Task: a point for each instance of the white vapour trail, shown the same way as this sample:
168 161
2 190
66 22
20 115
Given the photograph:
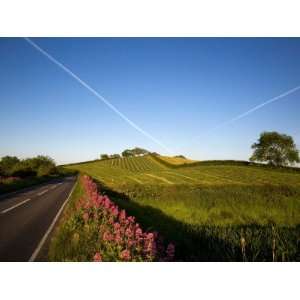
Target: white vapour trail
250 111
95 93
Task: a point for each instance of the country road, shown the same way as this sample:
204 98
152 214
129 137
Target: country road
26 216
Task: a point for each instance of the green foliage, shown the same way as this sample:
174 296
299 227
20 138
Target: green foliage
7 163
23 169
207 208
134 151
46 170
276 149
104 156
127 153
113 156
139 151
12 166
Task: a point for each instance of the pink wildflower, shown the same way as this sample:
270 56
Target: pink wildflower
118 238
138 233
107 236
131 219
125 255
117 226
97 257
122 215
128 232
150 236
85 217
107 202
170 252
115 211
150 245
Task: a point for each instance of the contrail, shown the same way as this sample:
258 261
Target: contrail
250 111
95 93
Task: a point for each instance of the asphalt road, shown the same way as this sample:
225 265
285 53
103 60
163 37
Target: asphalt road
26 216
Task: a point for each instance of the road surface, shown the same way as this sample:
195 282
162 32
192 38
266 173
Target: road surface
26 216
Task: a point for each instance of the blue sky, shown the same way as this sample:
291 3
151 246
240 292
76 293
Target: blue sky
177 90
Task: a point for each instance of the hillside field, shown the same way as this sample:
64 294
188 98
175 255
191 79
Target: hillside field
212 212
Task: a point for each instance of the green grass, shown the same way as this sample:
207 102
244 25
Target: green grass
63 244
207 208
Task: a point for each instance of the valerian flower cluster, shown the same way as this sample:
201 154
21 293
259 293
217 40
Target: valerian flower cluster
120 237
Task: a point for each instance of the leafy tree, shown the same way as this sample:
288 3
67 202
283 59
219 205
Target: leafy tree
276 149
45 170
7 163
104 156
139 151
115 156
127 153
26 167
134 151
38 161
154 153
23 169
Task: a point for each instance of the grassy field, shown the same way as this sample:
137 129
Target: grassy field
210 211
177 160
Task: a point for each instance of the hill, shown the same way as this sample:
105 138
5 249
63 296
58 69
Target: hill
207 208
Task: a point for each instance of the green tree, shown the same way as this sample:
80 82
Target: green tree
127 153
32 166
104 156
139 151
276 149
46 170
7 163
23 169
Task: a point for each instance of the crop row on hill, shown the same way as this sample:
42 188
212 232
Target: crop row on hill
135 164
212 212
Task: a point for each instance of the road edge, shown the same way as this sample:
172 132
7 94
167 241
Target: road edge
53 223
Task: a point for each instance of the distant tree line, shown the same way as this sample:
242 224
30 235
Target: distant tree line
29 167
126 153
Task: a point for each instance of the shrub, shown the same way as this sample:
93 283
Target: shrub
46 170
7 163
23 169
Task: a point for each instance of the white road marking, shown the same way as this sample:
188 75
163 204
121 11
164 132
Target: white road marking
15 206
43 240
54 186
43 192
